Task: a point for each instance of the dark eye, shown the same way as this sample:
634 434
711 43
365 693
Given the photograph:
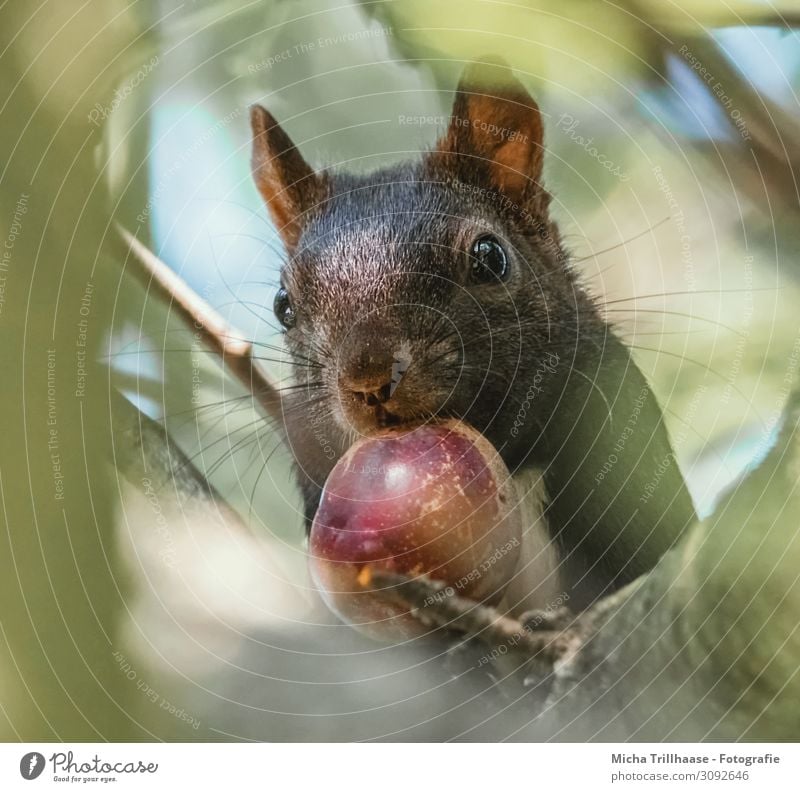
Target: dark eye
488 260
282 306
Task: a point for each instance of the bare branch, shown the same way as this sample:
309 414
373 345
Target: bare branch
435 604
235 351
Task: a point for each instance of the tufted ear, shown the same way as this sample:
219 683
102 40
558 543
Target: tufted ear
288 185
495 131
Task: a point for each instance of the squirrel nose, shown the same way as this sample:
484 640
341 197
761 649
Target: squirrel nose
371 364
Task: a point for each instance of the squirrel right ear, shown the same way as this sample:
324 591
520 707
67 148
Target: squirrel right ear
496 130
286 182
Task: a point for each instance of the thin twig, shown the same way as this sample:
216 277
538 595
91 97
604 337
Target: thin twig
235 351
434 603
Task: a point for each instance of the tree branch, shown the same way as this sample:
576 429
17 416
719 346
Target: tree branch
234 351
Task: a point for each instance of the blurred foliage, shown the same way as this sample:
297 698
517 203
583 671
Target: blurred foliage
703 231
62 589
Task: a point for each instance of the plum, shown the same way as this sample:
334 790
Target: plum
434 499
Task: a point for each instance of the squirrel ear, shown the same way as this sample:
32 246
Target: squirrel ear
286 182
496 126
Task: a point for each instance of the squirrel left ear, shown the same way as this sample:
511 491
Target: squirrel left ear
287 183
496 130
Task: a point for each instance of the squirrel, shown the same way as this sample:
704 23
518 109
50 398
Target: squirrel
441 287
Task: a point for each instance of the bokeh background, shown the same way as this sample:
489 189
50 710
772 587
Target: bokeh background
673 153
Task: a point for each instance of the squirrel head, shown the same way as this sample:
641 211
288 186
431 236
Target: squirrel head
437 287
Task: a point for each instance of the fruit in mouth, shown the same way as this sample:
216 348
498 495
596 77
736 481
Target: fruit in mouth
433 499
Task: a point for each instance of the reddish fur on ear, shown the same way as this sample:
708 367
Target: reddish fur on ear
496 128
288 185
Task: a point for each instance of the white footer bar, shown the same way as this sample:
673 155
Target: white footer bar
329 767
